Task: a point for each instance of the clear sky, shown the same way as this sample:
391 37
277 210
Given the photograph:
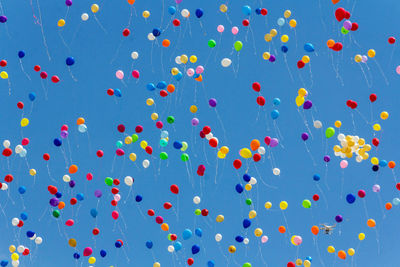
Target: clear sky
100 50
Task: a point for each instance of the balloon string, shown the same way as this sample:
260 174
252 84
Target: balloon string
41 28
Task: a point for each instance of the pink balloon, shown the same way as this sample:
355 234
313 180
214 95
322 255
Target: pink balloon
119 74
190 72
115 214
199 69
264 239
398 69
344 164
220 28
235 30
297 240
135 74
87 251
117 197
69 222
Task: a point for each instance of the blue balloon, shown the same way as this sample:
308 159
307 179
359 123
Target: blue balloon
246 10
138 198
274 114
187 233
103 253
151 87
117 93
29 234
177 145
309 258
80 196
57 142
149 244
32 96
246 177
118 244
198 232
156 32
179 76
171 10
195 249
350 198
178 246
161 85
58 195
22 189
309 47
276 101
3 263
21 54
258 11
199 12
94 213
239 188
76 255
24 216
284 48
210 264
383 163
246 223
316 177
239 239
70 61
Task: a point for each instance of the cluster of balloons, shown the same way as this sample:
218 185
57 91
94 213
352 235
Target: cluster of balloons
351 145
301 99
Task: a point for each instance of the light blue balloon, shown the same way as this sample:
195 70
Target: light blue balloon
163 142
274 114
198 232
171 10
23 153
210 263
396 201
281 21
178 246
187 234
179 76
277 101
82 128
119 144
164 134
383 163
246 10
309 47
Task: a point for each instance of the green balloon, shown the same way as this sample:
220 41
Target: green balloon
163 142
109 181
185 157
135 137
329 132
212 43
238 45
197 212
119 144
169 237
306 203
248 201
247 264
56 213
170 119
344 30
163 155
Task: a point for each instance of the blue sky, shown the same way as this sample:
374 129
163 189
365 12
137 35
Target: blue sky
331 79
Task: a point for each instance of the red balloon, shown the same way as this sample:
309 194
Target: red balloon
190 261
347 15
267 140
73 201
139 129
300 64
126 32
159 220
375 142
116 182
55 79
206 130
372 97
21 223
114 190
69 222
121 128
163 93
315 197
246 22
89 176
354 26
9 178
174 189
151 212
213 142
291 264
52 189
174 237
340 13
256 86
115 214
36 68
149 150
261 100
264 11
110 91
26 252
7 152
43 75
361 193
25 141
176 22
337 46
114 203
96 231
398 186
20 105
99 153
159 124
3 63
46 156
391 40
204 212
237 164
256 157
167 205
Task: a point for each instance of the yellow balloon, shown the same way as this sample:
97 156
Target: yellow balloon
306 59
287 13
156 264
220 218
154 116
132 156
268 37
223 8
338 124
184 146
184 59
146 14
284 38
193 59
248 187
224 150
371 53
331 249
24 122
4 75
307 263
292 240
375 161
299 100
365 156
283 205
376 127
95 8
61 23
351 251
221 155
302 92
299 262
358 58
361 141
232 249
337 148
361 236
14 256
12 248
245 153
193 109
384 115
174 71
293 23
266 55
252 214
128 140
367 147
149 101
92 260
268 205
258 232
273 32
143 144
32 172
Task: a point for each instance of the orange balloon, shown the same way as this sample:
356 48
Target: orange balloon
80 121
392 164
371 223
199 79
164 227
166 43
315 230
335 1
255 144
171 88
388 206
342 254
73 168
330 43
282 229
131 2
61 205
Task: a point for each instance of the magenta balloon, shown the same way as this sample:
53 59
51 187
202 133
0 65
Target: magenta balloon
274 142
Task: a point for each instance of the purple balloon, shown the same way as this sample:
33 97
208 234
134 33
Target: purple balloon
376 188
272 58
347 25
212 102
307 104
68 2
54 202
3 19
195 121
327 158
274 142
98 193
339 218
72 183
178 1
304 136
64 134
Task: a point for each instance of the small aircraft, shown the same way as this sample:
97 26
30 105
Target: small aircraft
327 228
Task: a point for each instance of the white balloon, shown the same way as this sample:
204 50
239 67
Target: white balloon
276 171
128 181
66 178
18 149
359 159
20 249
82 128
341 137
178 60
15 221
337 154
171 248
226 62
356 138
209 136
85 16
6 143
38 240
33 237
253 181
196 200
4 186
15 263
261 150
117 197
23 153
317 124
185 13
146 163
218 237
151 37
134 55
246 241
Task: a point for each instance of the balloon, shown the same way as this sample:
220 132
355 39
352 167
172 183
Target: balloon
283 205
342 254
293 23
199 12
306 203
329 132
85 16
299 100
308 47
371 53
226 62
284 38
371 223
331 249
245 153
315 230
235 30
304 136
218 237
343 164
238 45
220 28
94 8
